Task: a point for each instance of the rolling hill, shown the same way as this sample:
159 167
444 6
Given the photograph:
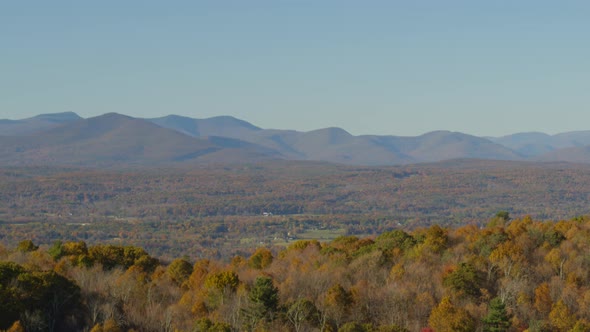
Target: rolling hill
35 124
114 139
225 126
339 146
119 140
537 144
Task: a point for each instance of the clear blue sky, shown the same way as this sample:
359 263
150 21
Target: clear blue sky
383 67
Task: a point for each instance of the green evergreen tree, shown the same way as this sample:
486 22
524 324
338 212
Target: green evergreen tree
264 301
497 319
265 294
465 280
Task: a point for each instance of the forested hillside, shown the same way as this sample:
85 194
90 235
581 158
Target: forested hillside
511 275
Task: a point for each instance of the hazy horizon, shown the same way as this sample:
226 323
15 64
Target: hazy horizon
386 68
288 128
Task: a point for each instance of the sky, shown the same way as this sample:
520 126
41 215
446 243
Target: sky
486 68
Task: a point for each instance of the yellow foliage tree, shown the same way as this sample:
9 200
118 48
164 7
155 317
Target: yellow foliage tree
581 326
557 259
436 238
200 271
543 300
446 317
507 256
561 317
260 259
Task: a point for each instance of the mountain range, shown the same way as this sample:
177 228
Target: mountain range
118 140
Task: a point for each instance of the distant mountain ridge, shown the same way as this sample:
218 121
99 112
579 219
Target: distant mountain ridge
337 145
536 144
216 126
35 124
118 140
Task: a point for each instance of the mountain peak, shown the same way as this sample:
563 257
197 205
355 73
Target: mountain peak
331 135
227 126
227 119
58 117
36 124
112 115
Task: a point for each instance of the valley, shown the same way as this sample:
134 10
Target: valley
221 209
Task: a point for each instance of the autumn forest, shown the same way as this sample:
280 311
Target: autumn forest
511 275
457 246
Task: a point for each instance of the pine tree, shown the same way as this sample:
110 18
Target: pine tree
497 319
264 301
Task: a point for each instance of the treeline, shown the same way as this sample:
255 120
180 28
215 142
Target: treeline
512 275
212 237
